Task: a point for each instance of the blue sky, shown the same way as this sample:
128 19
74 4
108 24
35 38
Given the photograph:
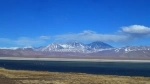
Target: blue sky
40 22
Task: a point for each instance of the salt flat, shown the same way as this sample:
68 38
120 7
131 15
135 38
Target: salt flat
71 59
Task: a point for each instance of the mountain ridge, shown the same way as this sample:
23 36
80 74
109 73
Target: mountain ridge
77 49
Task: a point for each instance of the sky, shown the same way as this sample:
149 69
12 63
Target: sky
41 22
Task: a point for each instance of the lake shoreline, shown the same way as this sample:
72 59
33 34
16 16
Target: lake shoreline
74 59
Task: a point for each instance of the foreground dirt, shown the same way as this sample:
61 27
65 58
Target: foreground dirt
39 77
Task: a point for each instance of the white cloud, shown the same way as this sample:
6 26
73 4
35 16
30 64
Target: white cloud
45 37
25 41
136 29
126 34
89 35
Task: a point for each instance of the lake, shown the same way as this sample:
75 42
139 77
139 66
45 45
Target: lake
107 68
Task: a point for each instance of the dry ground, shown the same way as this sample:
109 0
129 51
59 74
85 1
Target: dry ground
39 77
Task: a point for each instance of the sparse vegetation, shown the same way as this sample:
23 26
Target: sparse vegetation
40 77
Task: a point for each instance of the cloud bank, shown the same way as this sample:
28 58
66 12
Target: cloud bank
89 35
125 34
136 29
23 41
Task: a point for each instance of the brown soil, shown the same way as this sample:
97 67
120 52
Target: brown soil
39 77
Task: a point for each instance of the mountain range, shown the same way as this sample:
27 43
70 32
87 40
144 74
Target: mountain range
75 49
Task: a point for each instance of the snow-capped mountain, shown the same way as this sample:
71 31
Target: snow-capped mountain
75 48
64 47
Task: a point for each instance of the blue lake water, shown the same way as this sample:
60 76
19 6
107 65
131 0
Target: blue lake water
107 68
